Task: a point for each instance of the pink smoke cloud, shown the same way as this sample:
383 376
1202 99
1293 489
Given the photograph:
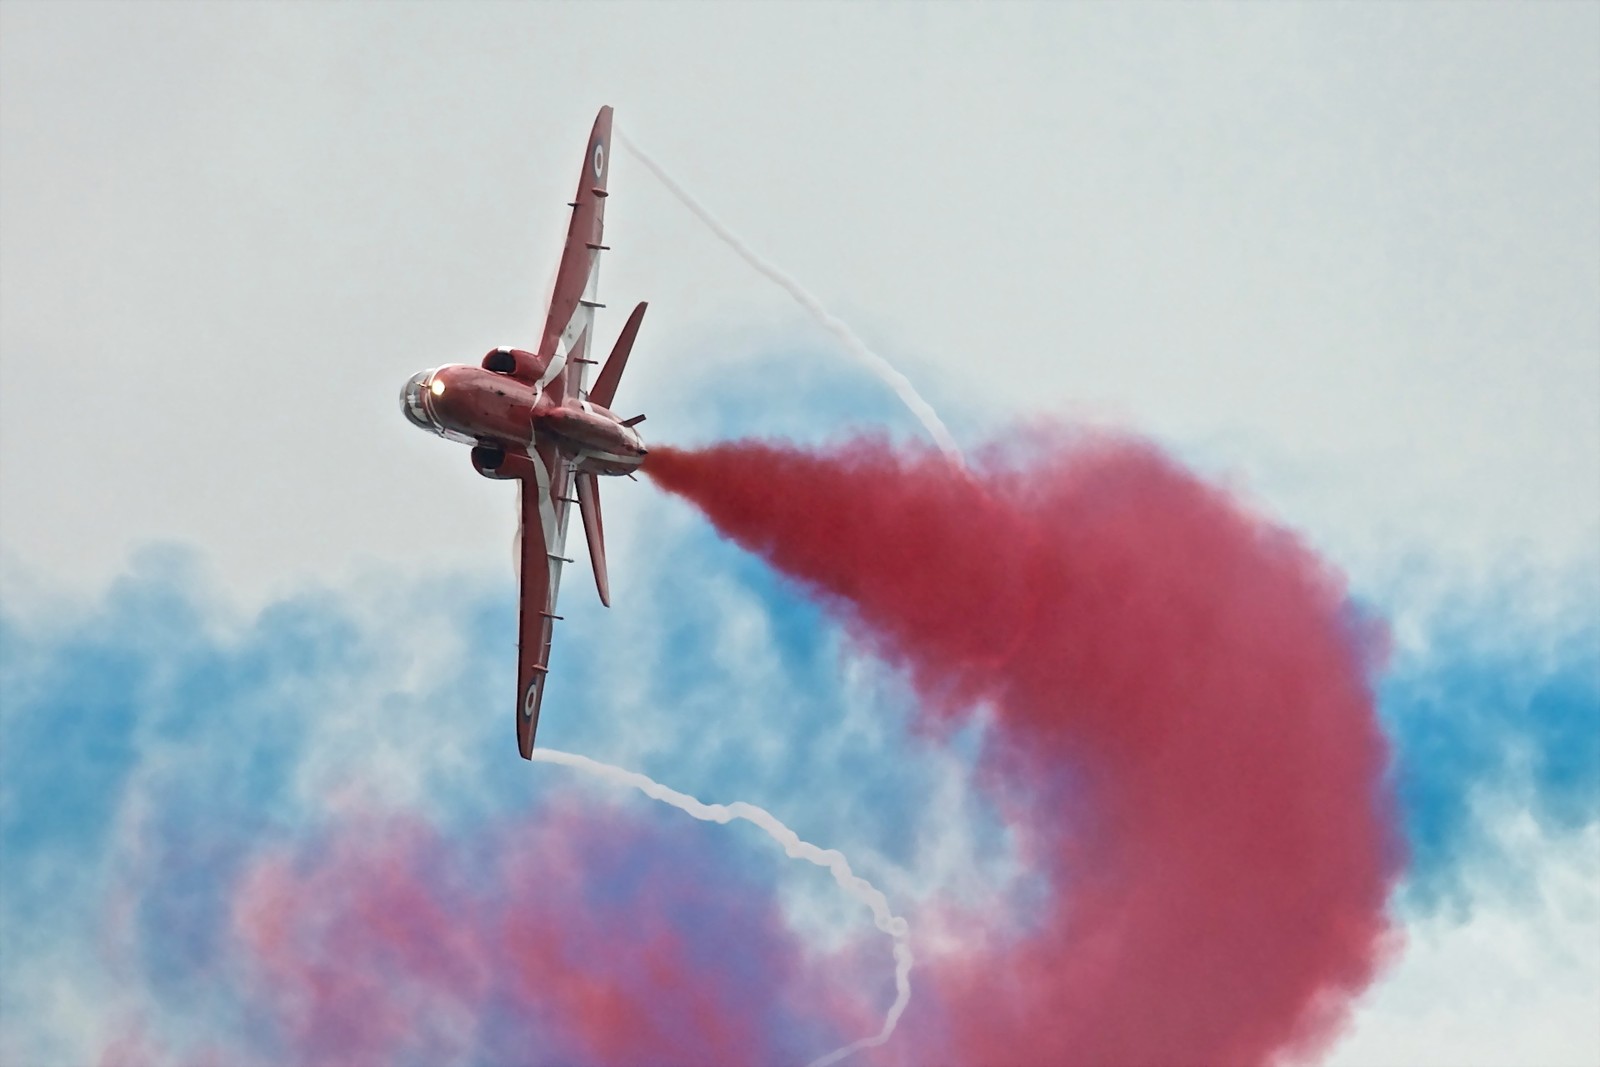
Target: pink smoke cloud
580 937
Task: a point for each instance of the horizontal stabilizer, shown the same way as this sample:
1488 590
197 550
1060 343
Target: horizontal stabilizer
589 507
605 386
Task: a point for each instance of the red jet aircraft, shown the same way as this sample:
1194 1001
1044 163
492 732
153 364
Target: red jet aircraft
533 417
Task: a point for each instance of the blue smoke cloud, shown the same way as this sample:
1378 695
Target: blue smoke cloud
153 693
1499 707
156 742
152 749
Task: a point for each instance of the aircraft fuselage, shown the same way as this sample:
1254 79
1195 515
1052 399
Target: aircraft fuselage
476 406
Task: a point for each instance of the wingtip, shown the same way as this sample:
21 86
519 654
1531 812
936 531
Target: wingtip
527 730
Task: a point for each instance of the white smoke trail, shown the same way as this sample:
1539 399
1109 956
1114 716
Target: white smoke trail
834 860
833 324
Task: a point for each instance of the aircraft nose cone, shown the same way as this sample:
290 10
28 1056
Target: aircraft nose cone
413 401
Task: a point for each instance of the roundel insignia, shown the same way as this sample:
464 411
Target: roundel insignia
530 699
599 158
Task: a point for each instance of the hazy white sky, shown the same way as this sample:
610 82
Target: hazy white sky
1350 252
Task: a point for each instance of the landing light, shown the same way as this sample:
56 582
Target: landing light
437 387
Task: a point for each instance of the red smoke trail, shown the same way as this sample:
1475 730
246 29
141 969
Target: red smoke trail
1184 732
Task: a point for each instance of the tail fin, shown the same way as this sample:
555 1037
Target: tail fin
605 386
594 530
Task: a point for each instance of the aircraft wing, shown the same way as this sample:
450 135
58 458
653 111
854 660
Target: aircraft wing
547 490
547 495
564 346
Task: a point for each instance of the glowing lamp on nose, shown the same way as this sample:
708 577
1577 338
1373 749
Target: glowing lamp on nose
437 387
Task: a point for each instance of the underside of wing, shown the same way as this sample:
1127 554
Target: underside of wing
547 494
